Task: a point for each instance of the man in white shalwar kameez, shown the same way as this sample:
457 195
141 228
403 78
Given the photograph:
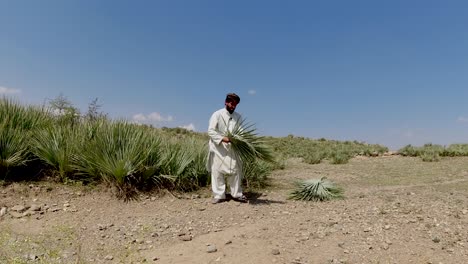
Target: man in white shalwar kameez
221 160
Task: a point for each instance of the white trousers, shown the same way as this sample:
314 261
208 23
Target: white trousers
218 184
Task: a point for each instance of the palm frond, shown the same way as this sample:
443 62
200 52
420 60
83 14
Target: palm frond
247 144
316 190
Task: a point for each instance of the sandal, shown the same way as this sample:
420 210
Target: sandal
217 200
241 199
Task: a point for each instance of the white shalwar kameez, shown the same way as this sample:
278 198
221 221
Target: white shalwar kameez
221 159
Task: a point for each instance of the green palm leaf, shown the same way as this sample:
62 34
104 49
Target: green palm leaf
316 190
247 144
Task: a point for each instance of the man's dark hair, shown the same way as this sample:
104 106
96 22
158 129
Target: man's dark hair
232 97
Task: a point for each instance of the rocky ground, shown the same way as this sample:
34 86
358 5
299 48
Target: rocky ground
396 210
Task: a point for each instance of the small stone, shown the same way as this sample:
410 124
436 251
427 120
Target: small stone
435 239
109 257
385 246
211 249
35 208
275 252
3 211
155 258
31 257
16 214
228 242
28 213
19 208
185 238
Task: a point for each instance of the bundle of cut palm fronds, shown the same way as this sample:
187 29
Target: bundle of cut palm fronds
316 190
247 144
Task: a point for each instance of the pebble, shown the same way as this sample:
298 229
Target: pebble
3 211
185 238
35 207
109 257
16 214
211 249
19 208
275 252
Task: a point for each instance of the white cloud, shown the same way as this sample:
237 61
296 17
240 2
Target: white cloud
408 134
189 127
252 92
462 119
139 118
157 117
153 117
5 90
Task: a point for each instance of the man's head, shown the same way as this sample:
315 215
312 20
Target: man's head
231 102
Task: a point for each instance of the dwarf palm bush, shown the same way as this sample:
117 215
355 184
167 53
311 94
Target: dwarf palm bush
198 168
25 118
117 154
316 190
55 146
14 147
301 147
340 157
455 150
256 173
314 157
16 124
183 163
430 156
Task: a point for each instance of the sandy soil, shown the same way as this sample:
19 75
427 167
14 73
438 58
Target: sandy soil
398 221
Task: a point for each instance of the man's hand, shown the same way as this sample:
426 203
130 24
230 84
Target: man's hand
226 140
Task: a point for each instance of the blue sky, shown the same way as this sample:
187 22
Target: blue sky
386 72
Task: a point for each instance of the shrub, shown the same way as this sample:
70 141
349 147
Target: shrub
14 148
117 154
16 125
183 162
55 146
256 174
314 157
340 157
430 155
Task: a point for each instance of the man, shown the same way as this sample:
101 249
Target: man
221 160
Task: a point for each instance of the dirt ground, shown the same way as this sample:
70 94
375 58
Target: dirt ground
395 210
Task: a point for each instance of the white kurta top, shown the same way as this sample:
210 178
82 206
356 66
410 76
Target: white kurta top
221 157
